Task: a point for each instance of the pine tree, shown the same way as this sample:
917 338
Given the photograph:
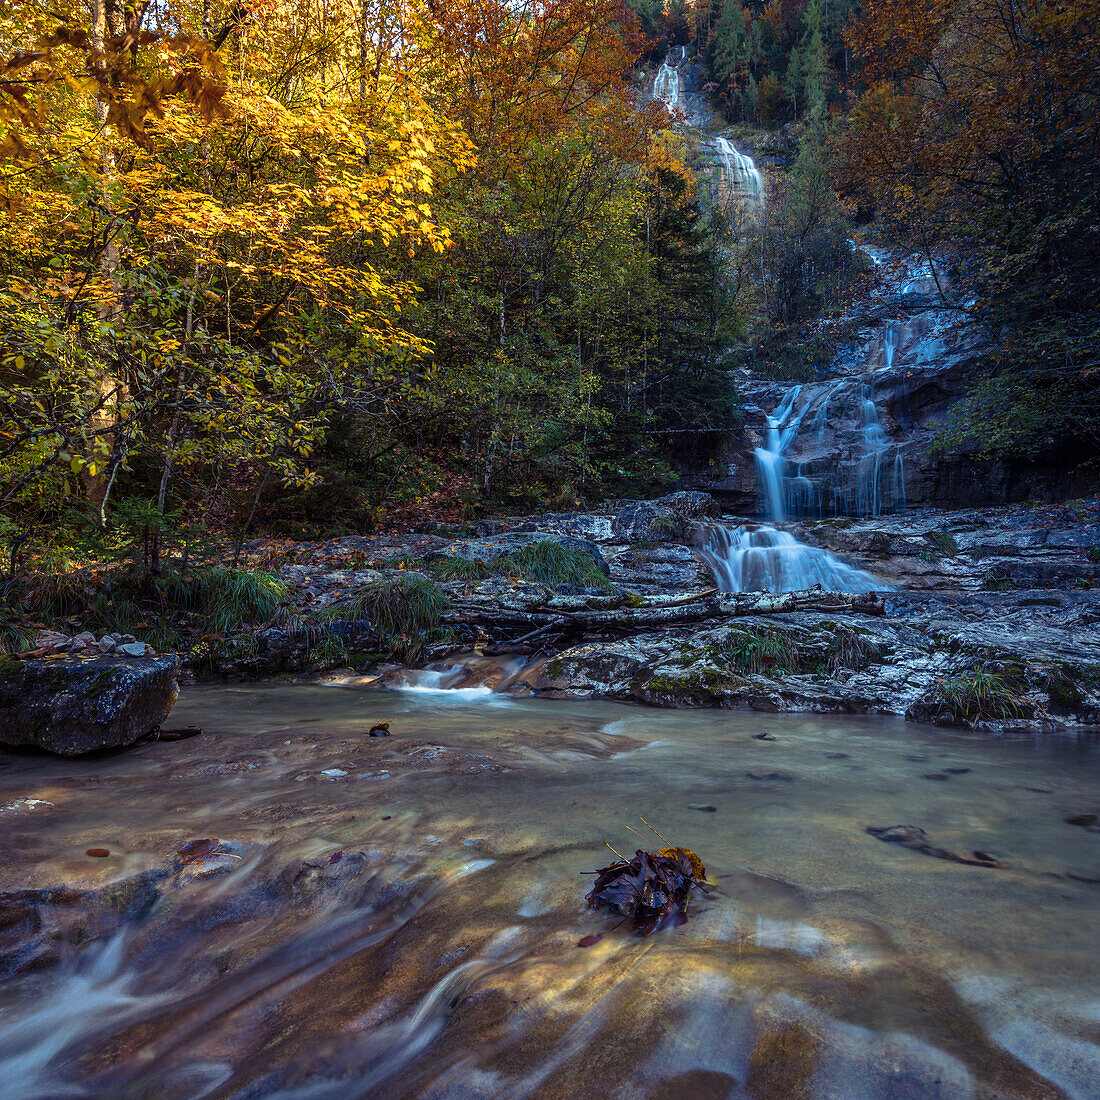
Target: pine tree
731 47
814 61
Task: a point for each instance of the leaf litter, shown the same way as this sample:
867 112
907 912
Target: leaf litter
652 889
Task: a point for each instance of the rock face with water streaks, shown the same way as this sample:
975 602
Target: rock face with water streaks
72 707
859 438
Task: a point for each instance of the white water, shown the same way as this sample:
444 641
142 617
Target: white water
443 686
667 86
771 465
765 559
876 483
742 176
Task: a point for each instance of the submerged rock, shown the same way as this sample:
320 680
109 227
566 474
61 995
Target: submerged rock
71 707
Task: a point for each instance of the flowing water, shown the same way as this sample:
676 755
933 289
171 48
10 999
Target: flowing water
759 558
870 483
742 176
400 917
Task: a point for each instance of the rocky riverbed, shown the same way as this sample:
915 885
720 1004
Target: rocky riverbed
987 617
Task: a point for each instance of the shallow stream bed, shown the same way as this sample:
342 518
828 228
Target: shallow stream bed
400 917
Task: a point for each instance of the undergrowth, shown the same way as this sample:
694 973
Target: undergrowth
977 695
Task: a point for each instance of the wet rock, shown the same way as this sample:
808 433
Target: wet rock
647 523
916 839
72 707
690 504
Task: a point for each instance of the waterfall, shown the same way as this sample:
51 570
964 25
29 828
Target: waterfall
869 483
880 482
771 465
667 86
742 175
764 559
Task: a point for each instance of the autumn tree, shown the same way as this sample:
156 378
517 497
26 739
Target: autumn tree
977 139
262 176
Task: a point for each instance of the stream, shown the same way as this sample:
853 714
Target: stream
400 917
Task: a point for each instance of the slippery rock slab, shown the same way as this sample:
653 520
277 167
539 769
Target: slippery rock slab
72 707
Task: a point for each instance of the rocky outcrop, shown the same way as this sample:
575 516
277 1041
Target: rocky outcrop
990 662
903 361
75 706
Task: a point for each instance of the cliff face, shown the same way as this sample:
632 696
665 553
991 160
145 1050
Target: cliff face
859 440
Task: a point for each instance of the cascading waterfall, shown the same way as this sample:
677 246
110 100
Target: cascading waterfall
871 485
765 559
771 465
667 86
742 175
880 482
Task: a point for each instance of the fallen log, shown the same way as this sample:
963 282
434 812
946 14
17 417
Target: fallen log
700 607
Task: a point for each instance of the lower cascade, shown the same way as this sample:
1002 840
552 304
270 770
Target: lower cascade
765 559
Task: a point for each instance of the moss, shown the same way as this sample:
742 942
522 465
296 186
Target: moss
555 667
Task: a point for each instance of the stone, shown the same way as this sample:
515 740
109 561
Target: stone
690 504
647 523
73 707
132 649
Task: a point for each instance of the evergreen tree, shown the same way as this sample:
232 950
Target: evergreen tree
731 47
814 61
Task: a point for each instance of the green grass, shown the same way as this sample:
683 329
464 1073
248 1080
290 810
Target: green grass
14 636
544 562
461 569
551 563
977 695
945 542
330 652
851 648
395 605
759 649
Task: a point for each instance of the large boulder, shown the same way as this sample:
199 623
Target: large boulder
647 523
75 706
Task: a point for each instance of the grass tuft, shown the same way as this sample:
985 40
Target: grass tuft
851 648
395 605
977 696
760 649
